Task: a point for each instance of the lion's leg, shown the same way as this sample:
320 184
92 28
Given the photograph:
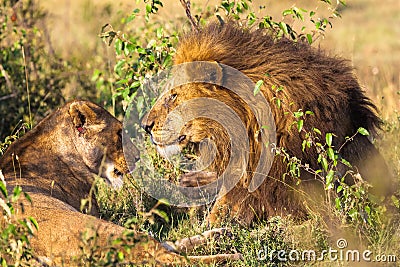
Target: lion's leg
236 204
197 178
186 245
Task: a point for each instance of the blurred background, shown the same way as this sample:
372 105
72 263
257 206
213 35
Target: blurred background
367 34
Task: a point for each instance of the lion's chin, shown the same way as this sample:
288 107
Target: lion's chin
167 151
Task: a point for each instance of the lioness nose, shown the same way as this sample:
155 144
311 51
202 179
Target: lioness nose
147 126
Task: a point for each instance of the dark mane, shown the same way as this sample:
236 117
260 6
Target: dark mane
312 80
298 77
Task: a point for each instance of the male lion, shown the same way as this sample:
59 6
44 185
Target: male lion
295 77
56 164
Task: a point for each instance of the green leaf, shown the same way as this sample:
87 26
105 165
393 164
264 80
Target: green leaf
135 84
396 202
3 189
353 213
331 153
122 81
16 193
287 12
34 222
257 88
118 46
328 138
159 32
278 102
303 145
345 162
141 50
337 203
317 131
120 256
130 18
119 66
298 114
161 214
329 179
148 8
28 197
309 38
339 189
363 131
367 210
324 163
283 27
300 125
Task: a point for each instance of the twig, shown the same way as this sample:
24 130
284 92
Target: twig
8 96
193 23
27 87
6 77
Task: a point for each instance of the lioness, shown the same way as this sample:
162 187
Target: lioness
56 164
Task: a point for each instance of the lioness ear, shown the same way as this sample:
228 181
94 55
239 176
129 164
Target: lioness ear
82 115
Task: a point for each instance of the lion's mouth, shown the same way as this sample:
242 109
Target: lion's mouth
162 141
171 148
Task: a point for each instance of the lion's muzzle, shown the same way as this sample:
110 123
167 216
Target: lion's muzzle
168 143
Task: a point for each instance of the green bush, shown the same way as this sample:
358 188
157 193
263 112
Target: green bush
30 80
15 233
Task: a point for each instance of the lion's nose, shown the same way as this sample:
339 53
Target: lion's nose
147 126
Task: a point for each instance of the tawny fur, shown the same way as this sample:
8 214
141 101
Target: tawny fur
311 81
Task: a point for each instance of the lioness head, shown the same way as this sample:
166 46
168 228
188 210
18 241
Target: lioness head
98 140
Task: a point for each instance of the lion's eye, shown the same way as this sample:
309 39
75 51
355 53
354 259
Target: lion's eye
172 97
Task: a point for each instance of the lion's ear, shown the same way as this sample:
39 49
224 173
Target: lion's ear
216 73
82 115
201 71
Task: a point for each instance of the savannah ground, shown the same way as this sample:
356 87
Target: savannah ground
367 34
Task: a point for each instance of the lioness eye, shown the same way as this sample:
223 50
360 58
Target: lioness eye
119 133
